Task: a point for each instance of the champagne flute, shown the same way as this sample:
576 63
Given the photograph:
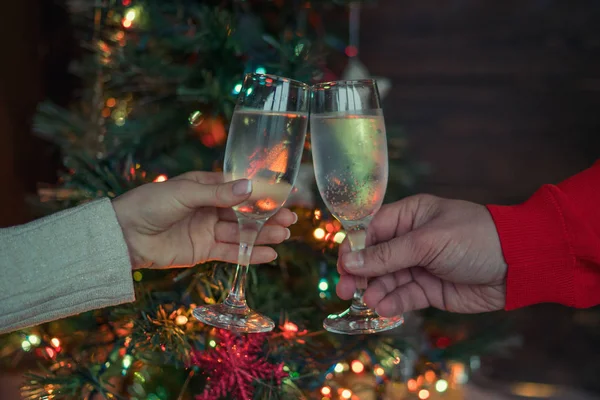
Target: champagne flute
265 144
349 150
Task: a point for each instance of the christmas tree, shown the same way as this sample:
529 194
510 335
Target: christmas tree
159 82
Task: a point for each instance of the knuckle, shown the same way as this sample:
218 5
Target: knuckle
382 253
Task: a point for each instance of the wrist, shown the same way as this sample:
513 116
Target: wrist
136 259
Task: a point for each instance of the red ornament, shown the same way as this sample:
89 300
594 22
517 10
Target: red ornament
234 365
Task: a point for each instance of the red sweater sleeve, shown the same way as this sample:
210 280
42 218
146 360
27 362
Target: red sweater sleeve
551 244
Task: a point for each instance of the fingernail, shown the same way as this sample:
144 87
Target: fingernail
288 233
295 218
353 260
242 187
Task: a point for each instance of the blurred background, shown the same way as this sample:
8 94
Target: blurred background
495 98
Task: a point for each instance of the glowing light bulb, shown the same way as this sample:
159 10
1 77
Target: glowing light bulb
137 276
212 343
357 367
181 320
130 14
161 178
423 394
412 385
379 371
126 23
34 339
237 88
127 361
441 385
260 70
55 342
325 390
430 376
323 285
346 394
319 233
338 368
339 237
26 345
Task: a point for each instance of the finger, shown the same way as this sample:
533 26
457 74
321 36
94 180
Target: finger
382 286
401 217
194 195
229 253
344 248
346 287
203 177
229 232
386 257
405 298
283 217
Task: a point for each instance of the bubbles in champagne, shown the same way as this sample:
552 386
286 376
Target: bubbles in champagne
350 158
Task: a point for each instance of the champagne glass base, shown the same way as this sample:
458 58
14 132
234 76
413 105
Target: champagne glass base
236 319
360 322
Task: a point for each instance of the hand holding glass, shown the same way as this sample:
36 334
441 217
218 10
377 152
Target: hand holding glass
265 144
350 158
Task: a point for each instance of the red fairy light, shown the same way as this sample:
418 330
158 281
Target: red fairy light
290 327
267 204
161 178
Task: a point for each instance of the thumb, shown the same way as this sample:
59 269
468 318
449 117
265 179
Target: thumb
385 257
226 194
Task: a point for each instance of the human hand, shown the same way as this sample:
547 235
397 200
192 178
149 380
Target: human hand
188 220
425 251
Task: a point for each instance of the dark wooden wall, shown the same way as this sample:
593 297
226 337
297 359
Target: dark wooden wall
497 96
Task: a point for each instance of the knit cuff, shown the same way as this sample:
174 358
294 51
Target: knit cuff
536 249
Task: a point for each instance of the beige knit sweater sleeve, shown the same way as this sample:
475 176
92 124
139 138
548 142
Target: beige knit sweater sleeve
61 265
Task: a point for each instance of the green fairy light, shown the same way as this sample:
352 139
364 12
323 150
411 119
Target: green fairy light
237 88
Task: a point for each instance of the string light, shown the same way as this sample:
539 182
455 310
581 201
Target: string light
126 23
237 88
317 214
346 394
26 345
137 276
430 376
319 233
411 385
34 339
338 368
111 102
130 14
323 285
127 359
212 343
260 70
325 390
423 394
55 342
181 320
160 178
290 327
339 237
379 371
441 385
357 367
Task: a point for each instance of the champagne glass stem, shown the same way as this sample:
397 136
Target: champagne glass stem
249 230
357 236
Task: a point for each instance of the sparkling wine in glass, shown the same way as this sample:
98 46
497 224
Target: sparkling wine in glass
265 144
349 149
